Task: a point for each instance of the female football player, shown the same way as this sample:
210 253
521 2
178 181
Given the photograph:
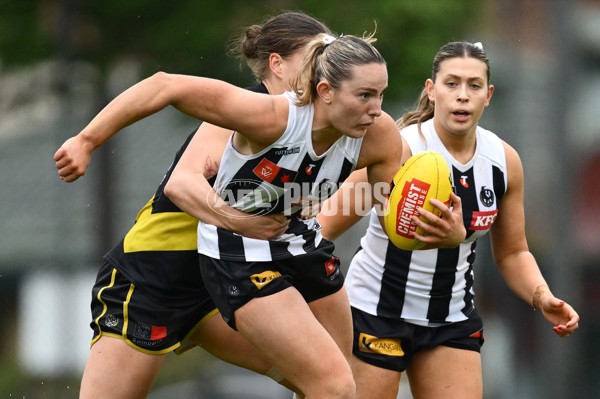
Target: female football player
413 311
154 272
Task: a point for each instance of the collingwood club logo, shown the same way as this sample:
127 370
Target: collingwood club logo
486 196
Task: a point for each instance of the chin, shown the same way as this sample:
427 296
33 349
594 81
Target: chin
461 129
359 132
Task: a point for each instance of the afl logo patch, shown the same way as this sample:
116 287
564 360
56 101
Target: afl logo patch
486 196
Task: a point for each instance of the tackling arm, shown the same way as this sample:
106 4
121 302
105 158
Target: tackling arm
259 117
189 189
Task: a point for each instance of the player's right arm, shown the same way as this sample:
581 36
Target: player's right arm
189 189
259 117
513 258
73 158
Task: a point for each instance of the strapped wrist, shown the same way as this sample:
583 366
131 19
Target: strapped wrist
537 295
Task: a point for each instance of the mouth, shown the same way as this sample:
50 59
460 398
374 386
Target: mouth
461 114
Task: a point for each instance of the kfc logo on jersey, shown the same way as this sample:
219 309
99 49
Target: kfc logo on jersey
483 220
266 170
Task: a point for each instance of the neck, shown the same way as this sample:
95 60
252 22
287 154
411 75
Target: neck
323 133
461 146
274 86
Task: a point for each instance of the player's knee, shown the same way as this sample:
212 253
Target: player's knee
338 385
346 387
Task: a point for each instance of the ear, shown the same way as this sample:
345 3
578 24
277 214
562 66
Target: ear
275 64
429 85
325 91
489 95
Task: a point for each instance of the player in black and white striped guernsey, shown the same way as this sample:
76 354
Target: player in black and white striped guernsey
271 182
389 282
149 297
293 308
413 311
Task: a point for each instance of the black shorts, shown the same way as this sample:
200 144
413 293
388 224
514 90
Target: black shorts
390 343
232 284
147 323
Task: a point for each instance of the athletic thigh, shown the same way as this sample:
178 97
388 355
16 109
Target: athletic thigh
218 338
284 329
333 312
445 372
374 382
116 370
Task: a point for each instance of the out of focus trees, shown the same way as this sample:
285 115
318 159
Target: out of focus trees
190 36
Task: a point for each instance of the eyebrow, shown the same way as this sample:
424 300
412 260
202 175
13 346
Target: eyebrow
451 76
372 90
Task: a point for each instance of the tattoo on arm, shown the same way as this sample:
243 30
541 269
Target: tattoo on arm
210 168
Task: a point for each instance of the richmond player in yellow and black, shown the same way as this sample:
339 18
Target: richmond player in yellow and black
149 298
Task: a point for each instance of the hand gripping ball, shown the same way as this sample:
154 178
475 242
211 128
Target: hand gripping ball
423 176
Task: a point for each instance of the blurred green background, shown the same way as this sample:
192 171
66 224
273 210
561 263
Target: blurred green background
61 61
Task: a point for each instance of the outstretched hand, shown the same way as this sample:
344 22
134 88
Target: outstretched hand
445 231
562 316
72 159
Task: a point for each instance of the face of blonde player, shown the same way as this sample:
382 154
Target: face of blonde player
353 107
460 94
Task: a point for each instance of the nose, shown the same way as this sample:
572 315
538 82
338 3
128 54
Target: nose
462 93
375 109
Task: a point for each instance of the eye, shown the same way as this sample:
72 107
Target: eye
364 96
476 86
451 84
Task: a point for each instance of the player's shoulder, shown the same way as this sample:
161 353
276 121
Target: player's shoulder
384 134
386 122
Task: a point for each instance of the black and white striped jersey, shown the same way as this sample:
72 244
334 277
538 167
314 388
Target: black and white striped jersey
276 180
431 287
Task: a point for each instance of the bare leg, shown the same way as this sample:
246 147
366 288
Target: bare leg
115 370
373 381
333 312
286 332
217 338
444 372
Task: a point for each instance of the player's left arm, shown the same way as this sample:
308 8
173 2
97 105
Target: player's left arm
513 258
